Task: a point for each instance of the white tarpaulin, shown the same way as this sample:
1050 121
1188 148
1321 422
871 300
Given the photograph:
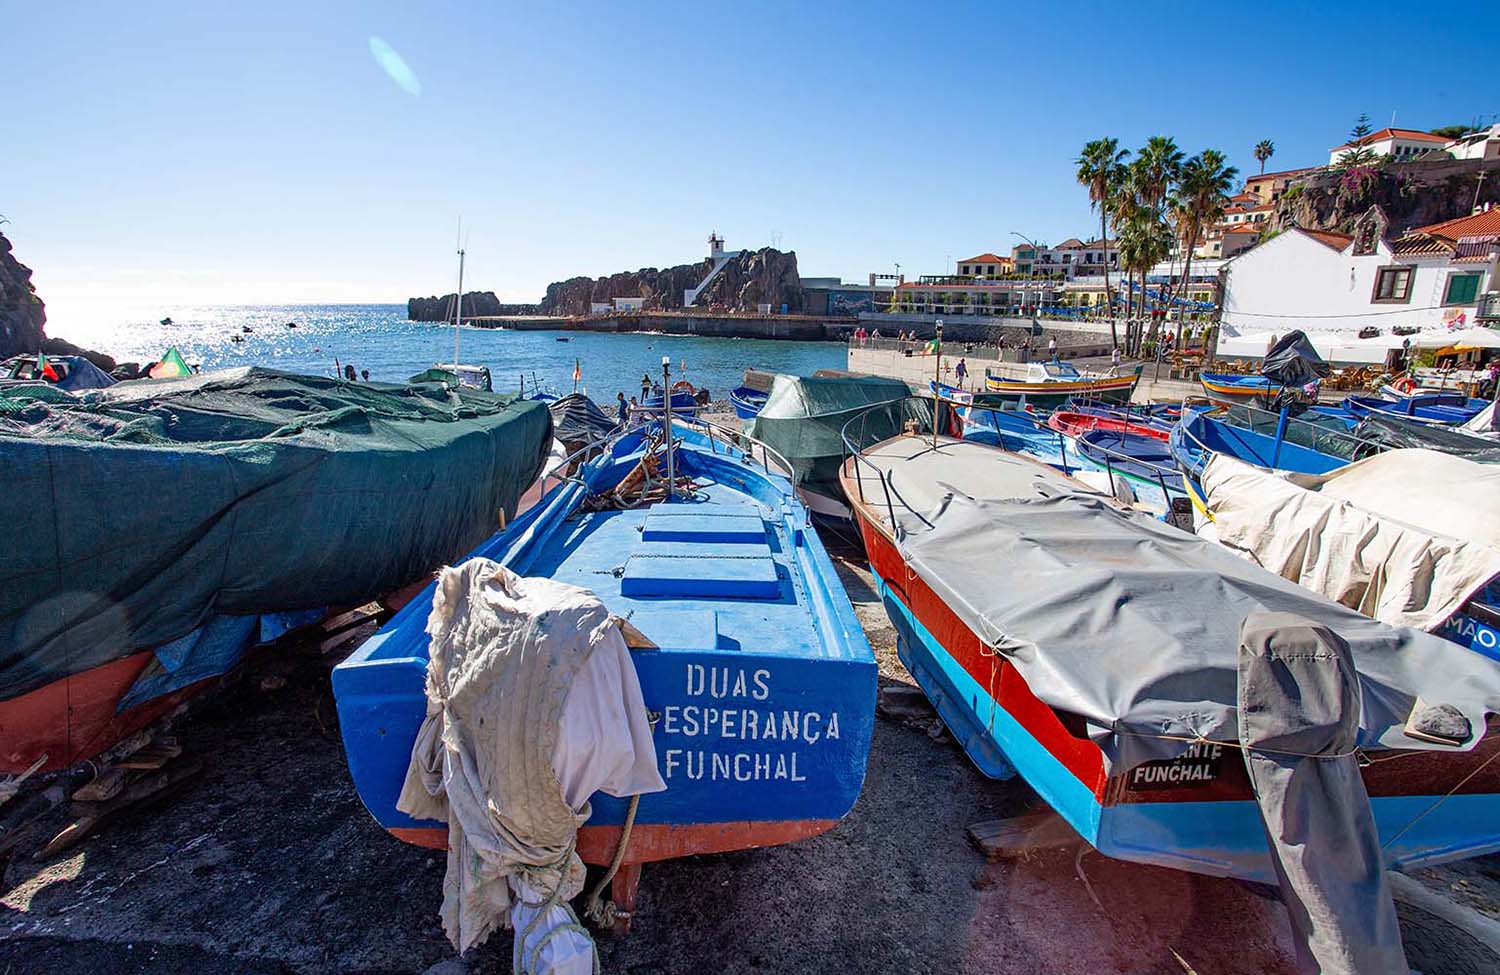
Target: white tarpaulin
533 705
1406 537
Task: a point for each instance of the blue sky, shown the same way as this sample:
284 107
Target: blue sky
164 154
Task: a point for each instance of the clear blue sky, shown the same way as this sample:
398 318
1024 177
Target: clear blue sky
159 153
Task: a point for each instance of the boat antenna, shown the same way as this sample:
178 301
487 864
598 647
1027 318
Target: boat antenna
937 380
458 300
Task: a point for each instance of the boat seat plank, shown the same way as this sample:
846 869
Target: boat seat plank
667 524
688 573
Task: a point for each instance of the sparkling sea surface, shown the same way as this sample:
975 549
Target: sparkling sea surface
380 339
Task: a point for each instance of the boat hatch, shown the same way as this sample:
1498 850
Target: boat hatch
708 569
667 524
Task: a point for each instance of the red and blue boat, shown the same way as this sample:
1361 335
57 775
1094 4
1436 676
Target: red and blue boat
762 685
1091 650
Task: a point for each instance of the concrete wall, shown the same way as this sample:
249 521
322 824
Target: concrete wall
802 328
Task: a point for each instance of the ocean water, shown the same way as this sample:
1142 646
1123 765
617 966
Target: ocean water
380 339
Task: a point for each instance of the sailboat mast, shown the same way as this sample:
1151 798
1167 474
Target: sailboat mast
458 306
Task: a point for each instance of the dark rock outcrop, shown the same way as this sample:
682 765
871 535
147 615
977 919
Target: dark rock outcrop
23 317
752 278
476 303
1411 194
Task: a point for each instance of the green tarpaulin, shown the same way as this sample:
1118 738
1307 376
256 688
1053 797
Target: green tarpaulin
803 420
137 512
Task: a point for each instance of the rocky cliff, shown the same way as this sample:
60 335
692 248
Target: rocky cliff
1412 194
23 317
440 309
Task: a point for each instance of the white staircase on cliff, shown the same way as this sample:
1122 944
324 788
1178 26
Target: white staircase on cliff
720 257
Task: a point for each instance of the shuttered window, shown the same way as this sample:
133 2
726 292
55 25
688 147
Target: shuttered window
1393 284
1463 289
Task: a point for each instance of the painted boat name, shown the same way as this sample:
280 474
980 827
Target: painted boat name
747 722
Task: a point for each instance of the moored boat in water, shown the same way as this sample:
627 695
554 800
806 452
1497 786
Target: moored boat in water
761 682
1093 650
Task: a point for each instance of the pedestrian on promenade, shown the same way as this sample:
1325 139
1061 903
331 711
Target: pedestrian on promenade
1052 347
962 372
1114 360
1000 346
624 410
645 386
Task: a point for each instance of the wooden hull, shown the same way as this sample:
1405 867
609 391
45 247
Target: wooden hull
1195 813
1112 390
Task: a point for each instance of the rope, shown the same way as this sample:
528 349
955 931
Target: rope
596 909
530 965
1443 799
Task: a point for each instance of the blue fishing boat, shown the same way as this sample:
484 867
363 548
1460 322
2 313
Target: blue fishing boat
683 398
1225 387
761 686
1199 435
1009 425
1145 461
747 402
1439 410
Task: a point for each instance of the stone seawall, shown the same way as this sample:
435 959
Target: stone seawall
794 327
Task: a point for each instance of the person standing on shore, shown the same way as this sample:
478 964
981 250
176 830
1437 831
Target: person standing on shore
1114 360
1052 347
624 410
962 372
645 386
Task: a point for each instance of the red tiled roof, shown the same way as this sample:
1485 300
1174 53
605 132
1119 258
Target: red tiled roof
1330 238
1285 172
1243 228
1474 225
985 258
1411 135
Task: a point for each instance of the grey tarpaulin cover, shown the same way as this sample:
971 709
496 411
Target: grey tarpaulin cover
138 512
1393 432
1299 707
1134 625
577 421
533 705
1374 535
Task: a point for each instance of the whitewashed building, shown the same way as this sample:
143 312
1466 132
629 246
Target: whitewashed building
1325 282
1399 144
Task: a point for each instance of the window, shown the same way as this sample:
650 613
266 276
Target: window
1392 285
1463 289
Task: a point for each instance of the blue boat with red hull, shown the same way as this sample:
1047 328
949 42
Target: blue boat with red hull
761 688
1091 650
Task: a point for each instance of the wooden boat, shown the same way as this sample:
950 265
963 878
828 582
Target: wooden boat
1193 809
1440 410
1052 384
763 681
747 402
1224 387
1200 434
1145 462
1077 423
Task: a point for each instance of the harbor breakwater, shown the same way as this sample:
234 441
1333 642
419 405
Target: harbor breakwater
795 327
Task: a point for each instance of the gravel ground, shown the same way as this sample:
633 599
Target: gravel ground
268 863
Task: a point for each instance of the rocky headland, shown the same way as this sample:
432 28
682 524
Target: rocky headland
753 278
1411 194
23 315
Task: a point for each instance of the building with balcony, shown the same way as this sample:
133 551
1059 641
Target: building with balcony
955 295
1267 188
1399 144
986 265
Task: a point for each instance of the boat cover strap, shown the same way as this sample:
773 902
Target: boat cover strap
532 706
1133 625
1299 707
1376 535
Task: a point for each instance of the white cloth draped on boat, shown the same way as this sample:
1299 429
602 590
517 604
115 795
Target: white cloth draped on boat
1405 537
533 705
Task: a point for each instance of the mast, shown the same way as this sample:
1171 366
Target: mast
458 305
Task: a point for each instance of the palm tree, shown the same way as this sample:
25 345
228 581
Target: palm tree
1159 165
1129 200
1101 168
1264 149
1202 194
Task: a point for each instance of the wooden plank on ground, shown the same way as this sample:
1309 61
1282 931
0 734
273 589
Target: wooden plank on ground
151 757
106 785
901 702
93 815
1004 838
